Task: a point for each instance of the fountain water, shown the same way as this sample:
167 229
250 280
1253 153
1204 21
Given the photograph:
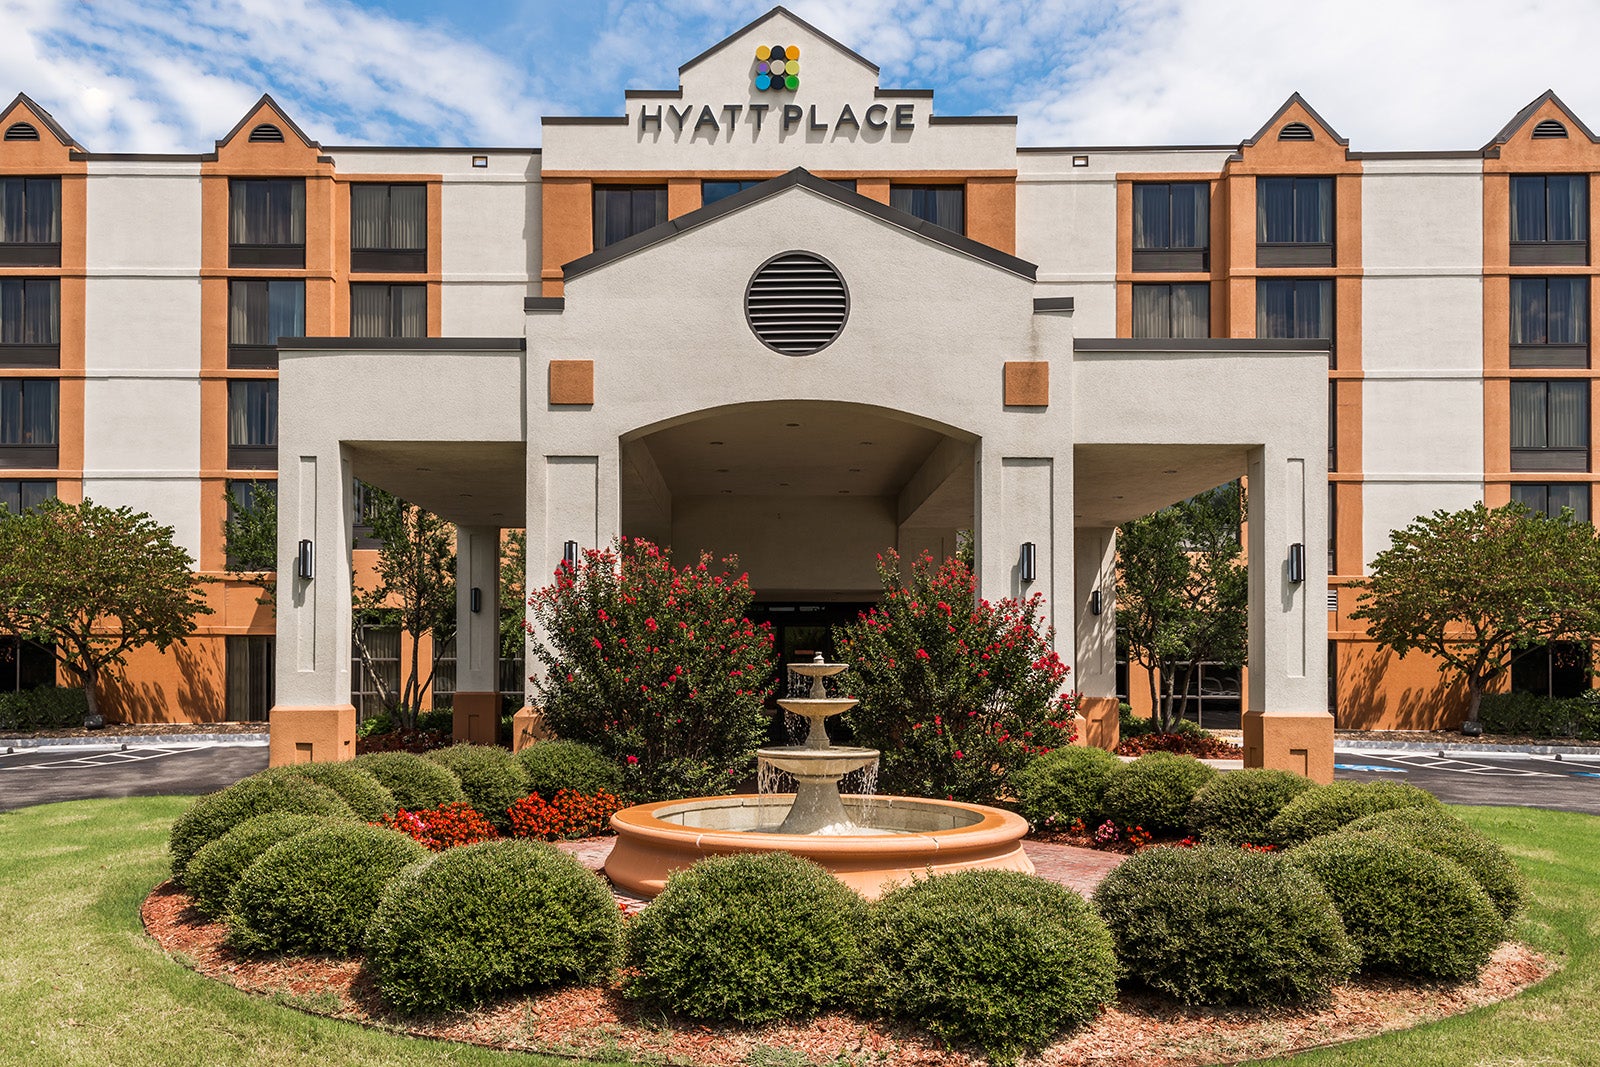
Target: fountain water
816 764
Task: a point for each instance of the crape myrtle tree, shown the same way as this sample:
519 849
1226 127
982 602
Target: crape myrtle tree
94 583
250 537
1183 595
655 665
957 693
1479 587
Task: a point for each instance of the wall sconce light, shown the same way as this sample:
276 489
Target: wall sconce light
1028 565
1297 563
305 564
569 553
476 600
1094 602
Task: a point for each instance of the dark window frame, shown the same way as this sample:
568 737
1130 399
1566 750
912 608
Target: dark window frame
16 500
1548 457
914 189
290 253
1529 251
258 355
386 256
1537 497
28 352
250 682
394 313
1330 334
32 449
15 252
639 219
1153 254
1547 353
1140 288
1297 251
246 455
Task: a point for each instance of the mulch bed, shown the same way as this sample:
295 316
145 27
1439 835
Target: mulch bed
594 1022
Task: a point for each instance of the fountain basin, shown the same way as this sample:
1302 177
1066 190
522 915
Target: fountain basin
901 839
824 764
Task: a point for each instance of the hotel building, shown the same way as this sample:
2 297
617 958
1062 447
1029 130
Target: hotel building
802 321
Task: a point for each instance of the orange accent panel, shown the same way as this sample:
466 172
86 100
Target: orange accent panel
567 224
187 683
683 196
1553 155
1302 743
312 735
476 718
992 212
874 189
1027 384
572 381
1380 691
1100 722
527 728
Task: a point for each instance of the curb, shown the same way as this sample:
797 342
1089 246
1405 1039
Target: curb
1466 749
130 741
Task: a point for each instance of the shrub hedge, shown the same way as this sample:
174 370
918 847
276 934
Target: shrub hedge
48 707
748 938
1407 911
317 891
278 789
492 778
1154 791
359 788
1238 806
490 918
416 782
1219 925
1534 716
1325 808
554 765
1436 830
216 869
1000 958
1064 784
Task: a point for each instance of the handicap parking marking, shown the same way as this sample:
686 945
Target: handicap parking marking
1372 767
1583 774
104 759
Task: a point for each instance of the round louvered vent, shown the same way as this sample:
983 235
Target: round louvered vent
267 132
796 303
1295 131
1549 128
22 131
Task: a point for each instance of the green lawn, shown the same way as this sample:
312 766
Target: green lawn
80 984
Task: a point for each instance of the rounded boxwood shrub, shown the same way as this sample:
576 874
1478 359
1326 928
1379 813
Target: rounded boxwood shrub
489 918
417 783
1436 830
215 869
278 789
1238 806
1064 784
1325 808
748 938
1000 958
1407 910
317 891
492 778
1220 925
554 765
359 788
1154 791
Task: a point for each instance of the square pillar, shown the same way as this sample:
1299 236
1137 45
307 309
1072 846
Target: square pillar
477 696
1094 660
1286 724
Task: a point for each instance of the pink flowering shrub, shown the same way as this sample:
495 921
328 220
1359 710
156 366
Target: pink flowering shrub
958 693
656 666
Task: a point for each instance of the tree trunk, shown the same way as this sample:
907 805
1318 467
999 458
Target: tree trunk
1474 699
92 718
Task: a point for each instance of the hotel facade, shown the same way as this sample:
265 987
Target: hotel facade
796 315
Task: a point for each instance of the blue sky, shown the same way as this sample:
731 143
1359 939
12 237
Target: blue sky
152 76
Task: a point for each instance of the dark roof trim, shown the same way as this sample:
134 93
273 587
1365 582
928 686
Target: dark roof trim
822 186
584 120
1445 154
402 344
445 149
1046 304
972 120
653 94
780 10
1521 118
48 119
266 98
1243 345
145 157
544 303
1130 148
1296 98
923 94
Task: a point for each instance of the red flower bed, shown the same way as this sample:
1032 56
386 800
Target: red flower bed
1184 744
569 814
443 827
418 741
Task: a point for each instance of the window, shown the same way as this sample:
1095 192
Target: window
1550 426
1550 219
25 665
444 674
388 311
1333 541
1333 426
30 222
1170 226
389 228
30 322
383 650
1559 670
1172 310
711 192
513 683
249 677
267 222
248 494
1552 498
260 312
252 425
1549 322
363 507
1294 308
942 205
1294 222
29 422
17 496
620 211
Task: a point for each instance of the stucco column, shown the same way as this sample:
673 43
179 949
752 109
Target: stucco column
312 718
1094 659
1021 500
477 698
1287 725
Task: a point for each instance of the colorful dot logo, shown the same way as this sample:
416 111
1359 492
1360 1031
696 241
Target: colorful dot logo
777 68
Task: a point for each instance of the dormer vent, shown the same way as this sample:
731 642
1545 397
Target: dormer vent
24 131
1547 128
1295 131
267 132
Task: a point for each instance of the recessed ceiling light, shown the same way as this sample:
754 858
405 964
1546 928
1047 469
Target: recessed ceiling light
425 469
783 483
1169 472
714 442
722 470
844 491
855 470
1116 498
866 442
791 425
727 490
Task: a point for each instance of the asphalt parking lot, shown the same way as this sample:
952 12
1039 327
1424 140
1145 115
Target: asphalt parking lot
1567 783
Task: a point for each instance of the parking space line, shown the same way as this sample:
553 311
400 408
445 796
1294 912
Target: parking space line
104 759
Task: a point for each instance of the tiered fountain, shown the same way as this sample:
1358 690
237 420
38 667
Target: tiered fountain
869 843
